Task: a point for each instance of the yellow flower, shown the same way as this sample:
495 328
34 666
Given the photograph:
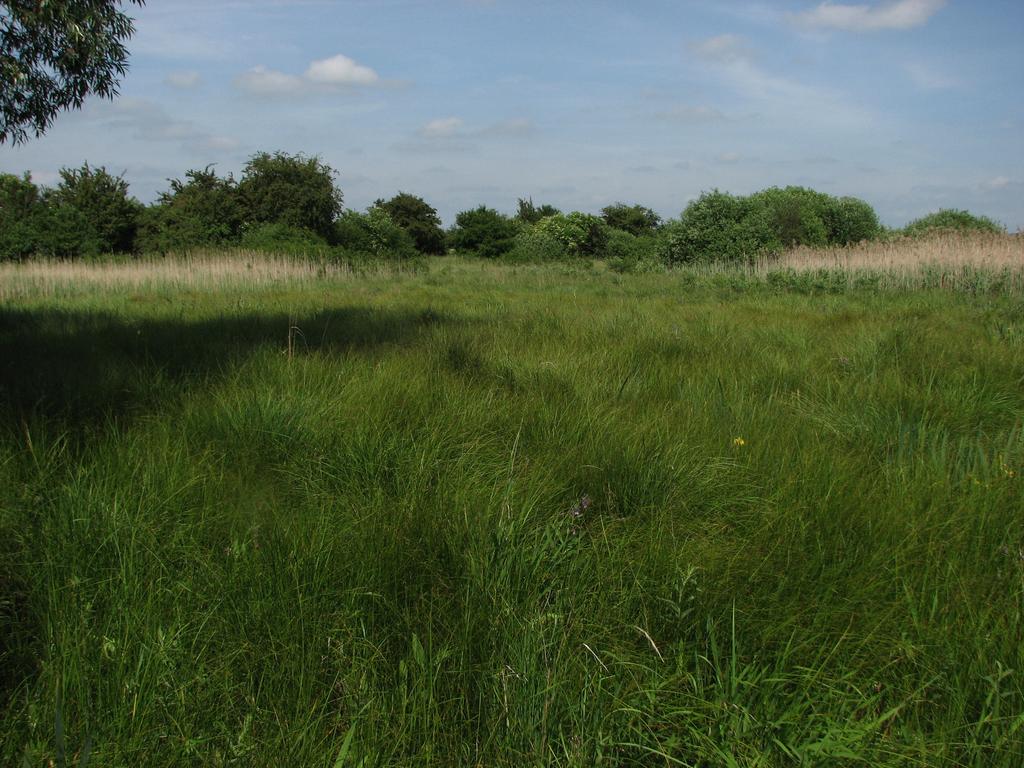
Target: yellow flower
739 442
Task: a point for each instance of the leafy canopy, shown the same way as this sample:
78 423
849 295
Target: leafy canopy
288 189
54 54
485 232
202 211
636 219
97 203
418 218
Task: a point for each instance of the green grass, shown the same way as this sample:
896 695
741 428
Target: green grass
364 552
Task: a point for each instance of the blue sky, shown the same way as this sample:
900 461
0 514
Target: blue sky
913 105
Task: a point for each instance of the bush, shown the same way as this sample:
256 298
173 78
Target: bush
484 232
718 226
629 253
21 209
99 203
580 234
283 239
202 212
294 190
850 220
528 213
950 219
419 219
635 219
534 245
374 234
797 214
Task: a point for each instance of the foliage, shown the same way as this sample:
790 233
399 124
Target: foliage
580 234
280 238
203 211
374 234
718 226
628 253
290 189
951 219
483 231
528 213
636 219
419 219
797 215
535 245
98 202
20 211
850 220
55 54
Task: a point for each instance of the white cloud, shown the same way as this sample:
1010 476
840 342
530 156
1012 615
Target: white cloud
729 58
729 157
442 128
901 14
999 182
340 70
261 80
186 79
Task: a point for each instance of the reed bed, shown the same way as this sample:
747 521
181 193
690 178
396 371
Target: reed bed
202 270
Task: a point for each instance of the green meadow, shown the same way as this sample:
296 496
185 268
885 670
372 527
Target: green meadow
498 515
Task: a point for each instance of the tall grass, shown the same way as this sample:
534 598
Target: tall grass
490 515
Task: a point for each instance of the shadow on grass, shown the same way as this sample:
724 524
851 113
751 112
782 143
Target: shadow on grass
85 366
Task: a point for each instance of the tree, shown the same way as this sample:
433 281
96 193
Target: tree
635 219
718 226
96 203
375 234
418 218
484 231
580 234
21 208
202 211
528 213
288 189
950 219
53 55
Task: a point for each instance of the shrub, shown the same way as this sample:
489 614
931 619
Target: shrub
283 238
295 190
484 232
419 219
629 253
950 219
203 211
718 226
21 209
374 234
534 245
528 213
635 219
850 220
581 234
797 214
64 233
99 202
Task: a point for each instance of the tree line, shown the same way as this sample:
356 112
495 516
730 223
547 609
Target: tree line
291 204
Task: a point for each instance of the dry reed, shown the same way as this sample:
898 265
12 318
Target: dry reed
199 271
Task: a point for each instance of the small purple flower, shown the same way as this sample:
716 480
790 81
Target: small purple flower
577 511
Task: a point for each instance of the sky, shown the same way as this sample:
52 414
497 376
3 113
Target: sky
912 105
